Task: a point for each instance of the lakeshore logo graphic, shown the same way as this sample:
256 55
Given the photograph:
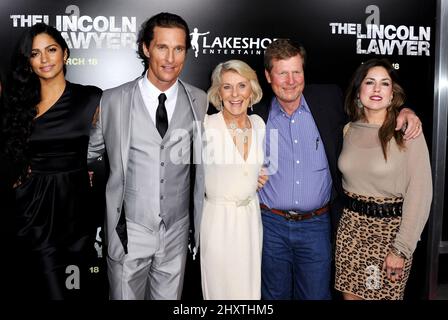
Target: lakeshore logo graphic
85 32
375 38
202 43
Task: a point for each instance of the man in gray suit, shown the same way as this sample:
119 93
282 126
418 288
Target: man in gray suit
150 129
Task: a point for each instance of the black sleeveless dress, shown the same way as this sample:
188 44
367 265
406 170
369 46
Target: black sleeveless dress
55 228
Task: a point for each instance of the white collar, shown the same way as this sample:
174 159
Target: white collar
153 92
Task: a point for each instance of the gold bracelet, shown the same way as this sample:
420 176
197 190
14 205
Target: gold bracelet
397 252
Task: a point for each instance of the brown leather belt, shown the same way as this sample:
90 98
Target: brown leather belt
297 215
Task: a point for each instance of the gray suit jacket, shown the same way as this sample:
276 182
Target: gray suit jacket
112 134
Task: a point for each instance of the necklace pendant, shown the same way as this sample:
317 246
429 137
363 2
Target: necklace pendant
246 139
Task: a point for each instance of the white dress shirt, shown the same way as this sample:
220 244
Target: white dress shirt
151 94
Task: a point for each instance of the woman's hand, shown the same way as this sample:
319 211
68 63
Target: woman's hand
90 178
262 178
19 181
393 265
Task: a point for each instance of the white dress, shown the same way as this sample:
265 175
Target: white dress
231 229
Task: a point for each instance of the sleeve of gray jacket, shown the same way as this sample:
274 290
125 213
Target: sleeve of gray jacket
96 141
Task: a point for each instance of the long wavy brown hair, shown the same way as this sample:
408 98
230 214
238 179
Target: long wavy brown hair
387 130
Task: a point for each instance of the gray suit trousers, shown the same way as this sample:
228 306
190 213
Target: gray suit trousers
154 267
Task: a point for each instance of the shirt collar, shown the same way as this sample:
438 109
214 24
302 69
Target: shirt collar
153 92
276 108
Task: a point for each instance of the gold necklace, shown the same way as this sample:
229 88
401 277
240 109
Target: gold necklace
240 132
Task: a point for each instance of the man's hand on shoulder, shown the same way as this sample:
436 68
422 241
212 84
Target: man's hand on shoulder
409 123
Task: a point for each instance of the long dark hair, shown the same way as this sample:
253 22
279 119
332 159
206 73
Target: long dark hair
387 130
21 94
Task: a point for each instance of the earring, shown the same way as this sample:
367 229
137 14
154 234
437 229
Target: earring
359 104
251 105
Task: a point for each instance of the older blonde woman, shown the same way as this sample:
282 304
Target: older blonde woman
231 229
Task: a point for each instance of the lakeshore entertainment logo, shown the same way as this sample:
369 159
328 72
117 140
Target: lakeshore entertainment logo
202 43
375 38
84 32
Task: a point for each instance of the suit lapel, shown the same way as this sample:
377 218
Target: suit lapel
191 99
197 128
127 103
316 111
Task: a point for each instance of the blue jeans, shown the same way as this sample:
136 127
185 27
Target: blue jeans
296 262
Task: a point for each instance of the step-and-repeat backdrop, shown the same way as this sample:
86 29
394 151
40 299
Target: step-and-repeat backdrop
338 36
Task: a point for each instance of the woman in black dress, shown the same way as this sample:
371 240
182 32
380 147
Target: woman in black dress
46 123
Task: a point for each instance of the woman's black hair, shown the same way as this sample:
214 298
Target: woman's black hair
20 94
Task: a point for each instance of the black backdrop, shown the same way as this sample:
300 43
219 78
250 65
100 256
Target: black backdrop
240 29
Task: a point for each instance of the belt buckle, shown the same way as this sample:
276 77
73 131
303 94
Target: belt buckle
291 215
294 216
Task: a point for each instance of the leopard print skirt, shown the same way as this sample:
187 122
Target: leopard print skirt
362 244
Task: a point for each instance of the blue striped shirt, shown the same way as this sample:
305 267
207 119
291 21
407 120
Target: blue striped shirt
299 173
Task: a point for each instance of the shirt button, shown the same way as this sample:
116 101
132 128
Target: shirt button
295 141
297 182
161 197
162 163
297 161
162 147
162 181
297 202
292 121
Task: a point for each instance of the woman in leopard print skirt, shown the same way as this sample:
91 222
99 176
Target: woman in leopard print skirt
388 186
